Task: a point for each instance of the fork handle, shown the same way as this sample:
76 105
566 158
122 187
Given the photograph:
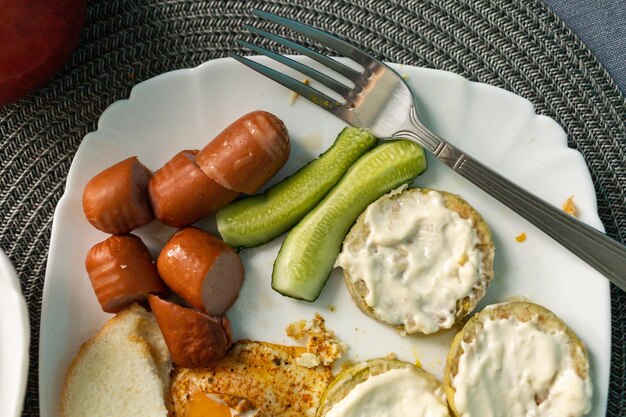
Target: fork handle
601 252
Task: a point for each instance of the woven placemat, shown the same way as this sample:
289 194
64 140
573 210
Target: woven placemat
518 45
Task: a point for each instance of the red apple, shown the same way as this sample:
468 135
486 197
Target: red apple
36 38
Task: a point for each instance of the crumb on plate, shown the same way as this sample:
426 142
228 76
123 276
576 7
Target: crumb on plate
569 207
521 237
322 344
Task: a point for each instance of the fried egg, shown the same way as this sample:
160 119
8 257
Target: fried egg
253 379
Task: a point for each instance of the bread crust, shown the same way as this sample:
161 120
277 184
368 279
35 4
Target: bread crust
357 237
349 378
545 320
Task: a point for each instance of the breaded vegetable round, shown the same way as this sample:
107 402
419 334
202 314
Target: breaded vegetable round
425 390
517 359
418 260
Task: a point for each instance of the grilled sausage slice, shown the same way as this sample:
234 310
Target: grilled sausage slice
246 154
181 193
203 270
193 339
122 272
116 200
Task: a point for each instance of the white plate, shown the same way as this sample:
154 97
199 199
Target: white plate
14 341
185 109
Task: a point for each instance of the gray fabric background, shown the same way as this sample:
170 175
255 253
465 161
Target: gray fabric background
518 45
601 25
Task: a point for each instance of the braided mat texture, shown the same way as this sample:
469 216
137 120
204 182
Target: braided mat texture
519 45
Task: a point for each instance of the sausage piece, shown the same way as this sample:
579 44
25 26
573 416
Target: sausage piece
247 153
182 194
203 270
116 200
122 272
193 339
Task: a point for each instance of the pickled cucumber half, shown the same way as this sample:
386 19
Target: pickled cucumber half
309 251
258 219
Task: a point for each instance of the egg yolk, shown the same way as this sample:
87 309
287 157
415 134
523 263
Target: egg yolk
201 405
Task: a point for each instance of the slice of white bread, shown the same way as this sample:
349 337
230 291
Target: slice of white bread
123 371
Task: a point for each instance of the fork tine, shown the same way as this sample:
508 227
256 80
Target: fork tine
316 97
336 66
334 85
344 48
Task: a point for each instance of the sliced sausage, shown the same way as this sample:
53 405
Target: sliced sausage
122 272
193 339
203 270
182 194
247 153
116 200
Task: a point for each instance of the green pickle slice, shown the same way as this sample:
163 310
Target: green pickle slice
255 220
308 254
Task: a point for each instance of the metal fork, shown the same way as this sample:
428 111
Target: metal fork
382 102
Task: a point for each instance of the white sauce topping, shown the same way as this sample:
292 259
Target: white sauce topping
419 259
397 392
511 366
